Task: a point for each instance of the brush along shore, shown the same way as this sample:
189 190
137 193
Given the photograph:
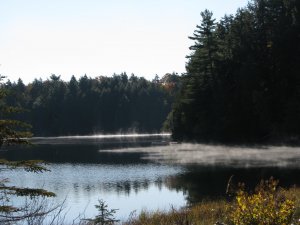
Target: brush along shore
268 204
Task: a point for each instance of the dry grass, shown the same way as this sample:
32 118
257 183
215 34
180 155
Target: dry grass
204 213
208 212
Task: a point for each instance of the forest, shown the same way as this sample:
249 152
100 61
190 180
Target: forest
117 104
243 76
241 84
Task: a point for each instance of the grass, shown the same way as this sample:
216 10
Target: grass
203 213
267 205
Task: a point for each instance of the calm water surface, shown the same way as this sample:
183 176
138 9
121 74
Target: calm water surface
138 172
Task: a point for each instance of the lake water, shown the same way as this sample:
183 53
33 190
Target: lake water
135 172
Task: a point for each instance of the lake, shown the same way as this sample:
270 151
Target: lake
135 172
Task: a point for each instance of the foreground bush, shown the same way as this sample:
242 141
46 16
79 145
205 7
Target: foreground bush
268 205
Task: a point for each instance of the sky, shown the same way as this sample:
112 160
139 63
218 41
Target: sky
99 37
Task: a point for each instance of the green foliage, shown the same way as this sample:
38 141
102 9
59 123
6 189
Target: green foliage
268 205
31 192
242 80
28 165
105 216
119 103
16 132
11 131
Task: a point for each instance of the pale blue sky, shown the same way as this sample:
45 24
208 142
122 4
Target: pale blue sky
99 37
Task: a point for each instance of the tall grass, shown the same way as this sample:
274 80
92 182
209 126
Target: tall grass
203 213
268 204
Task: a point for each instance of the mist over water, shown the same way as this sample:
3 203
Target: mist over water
101 139
218 155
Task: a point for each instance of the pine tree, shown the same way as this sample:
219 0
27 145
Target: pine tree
16 132
192 114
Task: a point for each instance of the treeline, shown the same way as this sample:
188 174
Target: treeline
93 105
243 76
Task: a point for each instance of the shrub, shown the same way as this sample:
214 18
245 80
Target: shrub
268 205
105 216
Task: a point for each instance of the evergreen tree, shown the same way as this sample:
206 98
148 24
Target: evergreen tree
242 80
89 105
199 84
16 132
